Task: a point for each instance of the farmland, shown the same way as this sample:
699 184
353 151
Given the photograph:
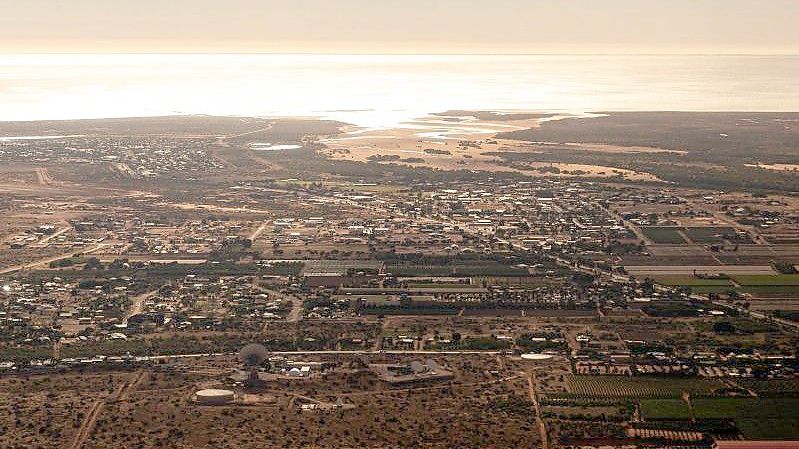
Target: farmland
664 409
779 280
772 387
696 284
691 234
640 387
709 234
756 418
718 408
663 235
786 285
756 284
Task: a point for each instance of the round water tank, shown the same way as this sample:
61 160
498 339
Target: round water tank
534 356
214 397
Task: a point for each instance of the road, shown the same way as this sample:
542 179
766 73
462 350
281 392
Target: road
121 393
755 315
329 352
296 303
47 260
629 225
250 132
258 232
47 239
87 425
130 385
542 427
43 176
138 305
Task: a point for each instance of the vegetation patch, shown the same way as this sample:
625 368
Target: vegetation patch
765 280
664 409
663 235
641 387
755 418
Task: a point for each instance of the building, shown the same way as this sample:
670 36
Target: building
755 444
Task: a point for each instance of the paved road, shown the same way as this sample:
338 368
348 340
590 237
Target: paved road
331 352
755 315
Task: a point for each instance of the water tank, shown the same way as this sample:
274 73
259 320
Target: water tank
214 397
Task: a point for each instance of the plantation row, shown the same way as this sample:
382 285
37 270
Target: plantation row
641 387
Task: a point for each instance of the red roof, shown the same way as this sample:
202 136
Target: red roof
738 444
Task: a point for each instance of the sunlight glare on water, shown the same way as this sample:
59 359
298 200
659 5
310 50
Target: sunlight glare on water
384 90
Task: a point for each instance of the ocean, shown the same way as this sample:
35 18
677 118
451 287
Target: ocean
386 90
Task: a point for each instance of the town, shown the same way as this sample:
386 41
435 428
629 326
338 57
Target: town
189 270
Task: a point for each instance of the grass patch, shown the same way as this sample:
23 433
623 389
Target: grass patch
769 428
709 234
766 280
720 407
663 234
664 409
756 418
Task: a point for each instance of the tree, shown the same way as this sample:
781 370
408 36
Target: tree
93 264
723 327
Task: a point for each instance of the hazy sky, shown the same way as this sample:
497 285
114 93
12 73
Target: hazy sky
404 26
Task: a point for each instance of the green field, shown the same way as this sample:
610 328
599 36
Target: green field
708 234
764 284
699 235
663 235
772 291
641 387
718 408
664 409
766 280
769 428
756 418
772 387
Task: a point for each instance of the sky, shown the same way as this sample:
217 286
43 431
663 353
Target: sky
401 26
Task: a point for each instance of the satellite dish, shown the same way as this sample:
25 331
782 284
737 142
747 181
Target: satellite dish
253 354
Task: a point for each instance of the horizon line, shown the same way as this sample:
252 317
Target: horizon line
295 53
